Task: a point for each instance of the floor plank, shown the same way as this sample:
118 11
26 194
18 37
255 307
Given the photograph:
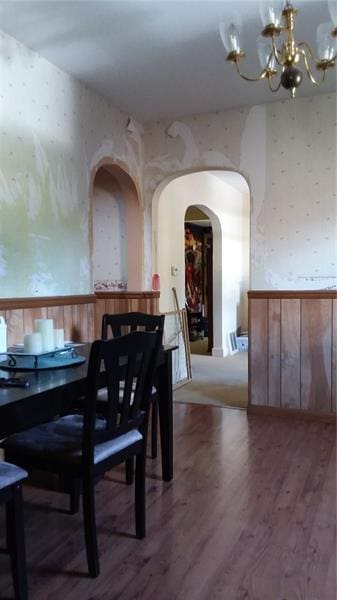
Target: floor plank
251 514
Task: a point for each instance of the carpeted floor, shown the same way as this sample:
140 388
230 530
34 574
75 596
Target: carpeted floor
216 381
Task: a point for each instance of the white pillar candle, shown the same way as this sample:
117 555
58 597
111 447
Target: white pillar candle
46 328
32 343
59 338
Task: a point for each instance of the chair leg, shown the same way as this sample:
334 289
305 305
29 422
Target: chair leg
90 527
16 542
154 430
129 470
140 495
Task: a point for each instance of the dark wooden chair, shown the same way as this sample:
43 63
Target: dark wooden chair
115 325
82 447
11 477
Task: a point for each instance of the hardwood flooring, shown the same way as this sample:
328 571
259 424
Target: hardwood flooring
250 515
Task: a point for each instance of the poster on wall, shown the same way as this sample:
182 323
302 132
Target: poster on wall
193 267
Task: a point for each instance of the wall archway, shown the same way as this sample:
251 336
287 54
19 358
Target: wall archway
122 188
228 209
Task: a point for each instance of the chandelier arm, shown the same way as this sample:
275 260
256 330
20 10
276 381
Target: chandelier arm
304 46
307 68
261 76
274 89
276 52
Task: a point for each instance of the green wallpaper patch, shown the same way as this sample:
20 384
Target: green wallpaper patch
44 250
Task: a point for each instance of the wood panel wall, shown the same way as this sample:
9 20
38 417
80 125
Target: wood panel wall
124 302
79 316
293 350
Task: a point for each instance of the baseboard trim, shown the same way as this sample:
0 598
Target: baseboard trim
291 413
218 352
180 383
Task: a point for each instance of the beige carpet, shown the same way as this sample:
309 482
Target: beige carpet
216 381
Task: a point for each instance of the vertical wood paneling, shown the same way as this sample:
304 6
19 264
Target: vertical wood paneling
84 322
334 357
91 322
56 313
29 316
111 307
290 353
15 327
316 349
258 342
68 323
80 323
100 309
135 304
274 352
80 320
155 306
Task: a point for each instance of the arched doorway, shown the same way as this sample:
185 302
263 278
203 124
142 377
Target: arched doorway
116 229
224 197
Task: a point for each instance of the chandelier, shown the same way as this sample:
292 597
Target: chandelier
280 61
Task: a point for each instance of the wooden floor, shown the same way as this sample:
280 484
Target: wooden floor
250 515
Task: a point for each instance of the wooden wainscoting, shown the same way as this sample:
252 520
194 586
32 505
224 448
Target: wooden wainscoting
293 351
79 316
74 314
123 302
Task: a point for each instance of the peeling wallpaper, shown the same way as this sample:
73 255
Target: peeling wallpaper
53 132
287 152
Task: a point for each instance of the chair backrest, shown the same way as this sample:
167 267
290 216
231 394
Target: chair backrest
120 324
130 359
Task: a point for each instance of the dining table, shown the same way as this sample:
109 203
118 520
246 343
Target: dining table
53 391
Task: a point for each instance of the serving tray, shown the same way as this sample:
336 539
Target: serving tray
53 359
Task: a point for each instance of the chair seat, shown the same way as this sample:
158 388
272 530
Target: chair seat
10 474
62 438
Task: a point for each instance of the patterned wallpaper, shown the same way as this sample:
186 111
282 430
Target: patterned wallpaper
109 234
300 206
287 152
53 131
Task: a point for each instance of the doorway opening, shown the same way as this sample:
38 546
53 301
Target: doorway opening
223 196
199 280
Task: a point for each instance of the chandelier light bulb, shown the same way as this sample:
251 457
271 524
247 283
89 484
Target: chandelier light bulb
230 36
332 5
326 44
271 13
265 54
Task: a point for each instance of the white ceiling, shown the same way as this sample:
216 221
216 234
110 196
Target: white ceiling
155 59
